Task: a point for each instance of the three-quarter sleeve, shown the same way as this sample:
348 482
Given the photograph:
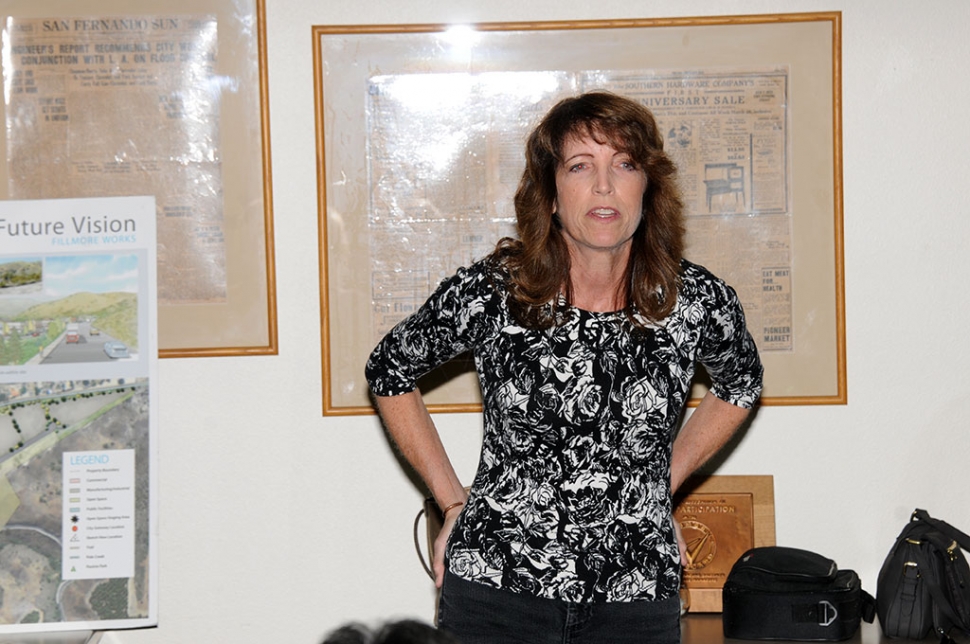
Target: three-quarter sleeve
459 314
727 350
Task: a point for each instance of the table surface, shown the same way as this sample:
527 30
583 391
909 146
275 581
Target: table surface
706 628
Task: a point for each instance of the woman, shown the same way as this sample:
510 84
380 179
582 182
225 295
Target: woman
585 334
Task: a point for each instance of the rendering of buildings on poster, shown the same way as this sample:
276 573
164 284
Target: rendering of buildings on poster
78 356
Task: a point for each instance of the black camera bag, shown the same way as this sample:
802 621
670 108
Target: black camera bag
924 583
779 593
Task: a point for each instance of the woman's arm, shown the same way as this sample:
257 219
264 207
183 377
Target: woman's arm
410 425
706 431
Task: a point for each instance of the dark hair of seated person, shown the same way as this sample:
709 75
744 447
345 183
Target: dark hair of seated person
405 631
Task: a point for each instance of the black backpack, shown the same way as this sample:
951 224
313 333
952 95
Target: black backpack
781 593
924 582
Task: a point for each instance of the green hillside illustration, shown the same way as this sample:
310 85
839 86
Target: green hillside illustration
20 274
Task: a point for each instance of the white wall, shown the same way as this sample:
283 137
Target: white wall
277 524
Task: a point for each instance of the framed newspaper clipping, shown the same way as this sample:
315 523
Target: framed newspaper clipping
420 136
169 99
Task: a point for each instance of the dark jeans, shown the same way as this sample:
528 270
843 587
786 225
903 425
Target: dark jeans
479 614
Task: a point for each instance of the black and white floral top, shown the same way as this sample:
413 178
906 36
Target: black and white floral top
572 496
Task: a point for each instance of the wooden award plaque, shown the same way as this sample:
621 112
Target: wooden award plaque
721 517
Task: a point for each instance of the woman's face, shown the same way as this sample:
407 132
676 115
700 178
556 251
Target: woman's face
599 197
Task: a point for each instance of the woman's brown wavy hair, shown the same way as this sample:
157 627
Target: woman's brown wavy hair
538 262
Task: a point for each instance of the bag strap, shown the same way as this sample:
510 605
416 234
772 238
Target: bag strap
868 607
417 543
942 526
824 612
942 603
934 586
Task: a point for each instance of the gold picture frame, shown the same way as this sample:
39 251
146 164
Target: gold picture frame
721 517
171 100
375 269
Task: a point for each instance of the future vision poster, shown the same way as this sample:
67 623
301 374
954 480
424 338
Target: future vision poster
78 358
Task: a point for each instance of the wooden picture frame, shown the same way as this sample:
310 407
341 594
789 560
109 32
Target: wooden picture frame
171 100
721 517
420 128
